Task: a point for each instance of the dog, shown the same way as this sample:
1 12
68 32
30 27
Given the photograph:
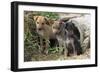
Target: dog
66 37
44 29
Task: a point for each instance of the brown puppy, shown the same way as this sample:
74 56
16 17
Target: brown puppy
44 29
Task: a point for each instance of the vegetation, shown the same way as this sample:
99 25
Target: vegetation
31 38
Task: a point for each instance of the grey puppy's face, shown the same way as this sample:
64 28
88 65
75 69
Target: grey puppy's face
57 27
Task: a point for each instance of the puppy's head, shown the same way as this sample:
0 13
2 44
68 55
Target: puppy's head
58 27
70 26
42 22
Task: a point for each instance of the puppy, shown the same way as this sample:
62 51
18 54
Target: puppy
44 29
66 37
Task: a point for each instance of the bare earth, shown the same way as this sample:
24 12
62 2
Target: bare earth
42 57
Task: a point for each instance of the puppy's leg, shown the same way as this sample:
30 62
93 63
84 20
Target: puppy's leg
46 46
60 47
65 50
41 45
74 48
70 49
78 48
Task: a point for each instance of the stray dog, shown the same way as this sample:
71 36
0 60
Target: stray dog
66 37
44 29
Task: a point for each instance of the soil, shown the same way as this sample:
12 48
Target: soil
57 56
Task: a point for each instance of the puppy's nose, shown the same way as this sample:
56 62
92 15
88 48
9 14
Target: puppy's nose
56 33
39 29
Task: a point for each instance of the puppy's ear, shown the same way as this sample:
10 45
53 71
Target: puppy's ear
49 21
35 18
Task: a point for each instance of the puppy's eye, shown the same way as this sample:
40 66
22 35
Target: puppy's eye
58 27
42 23
37 22
54 27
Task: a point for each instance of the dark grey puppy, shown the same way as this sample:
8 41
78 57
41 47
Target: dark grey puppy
64 31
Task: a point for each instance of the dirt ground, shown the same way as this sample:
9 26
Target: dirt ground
57 56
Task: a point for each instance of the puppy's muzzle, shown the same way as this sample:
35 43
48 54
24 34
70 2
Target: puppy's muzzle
56 31
39 29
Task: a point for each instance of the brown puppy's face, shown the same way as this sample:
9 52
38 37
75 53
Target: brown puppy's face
40 22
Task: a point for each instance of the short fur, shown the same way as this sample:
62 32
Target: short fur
44 29
66 37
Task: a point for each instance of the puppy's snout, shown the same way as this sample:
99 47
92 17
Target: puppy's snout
39 29
55 31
